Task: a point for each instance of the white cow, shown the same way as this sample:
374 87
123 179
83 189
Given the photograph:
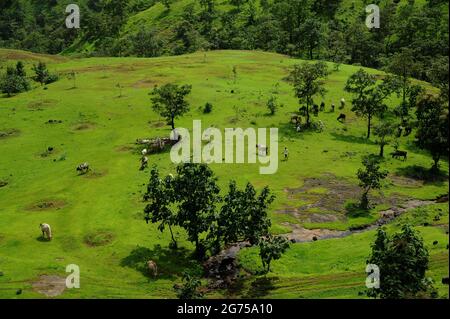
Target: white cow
46 231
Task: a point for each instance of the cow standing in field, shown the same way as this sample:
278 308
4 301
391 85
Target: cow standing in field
398 154
322 106
342 117
152 268
342 106
46 231
83 168
144 163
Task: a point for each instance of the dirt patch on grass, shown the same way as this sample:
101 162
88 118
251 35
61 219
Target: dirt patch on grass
48 204
99 238
332 201
6 133
95 174
146 83
157 124
405 181
50 285
125 148
40 105
300 234
84 126
29 56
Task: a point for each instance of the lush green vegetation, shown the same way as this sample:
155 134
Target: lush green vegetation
313 29
98 109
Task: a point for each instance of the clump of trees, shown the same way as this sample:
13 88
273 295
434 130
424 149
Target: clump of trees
190 200
310 29
370 177
432 127
14 80
403 261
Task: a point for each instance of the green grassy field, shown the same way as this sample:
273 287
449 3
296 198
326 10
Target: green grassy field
97 219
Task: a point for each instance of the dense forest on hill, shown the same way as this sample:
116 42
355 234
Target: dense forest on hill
313 29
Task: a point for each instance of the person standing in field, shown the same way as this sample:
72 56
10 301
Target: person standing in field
286 154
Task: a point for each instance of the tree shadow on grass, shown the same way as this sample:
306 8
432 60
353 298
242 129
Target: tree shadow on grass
353 210
352 139
170 262
260 287
426 175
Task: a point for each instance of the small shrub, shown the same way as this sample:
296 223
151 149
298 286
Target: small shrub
208 108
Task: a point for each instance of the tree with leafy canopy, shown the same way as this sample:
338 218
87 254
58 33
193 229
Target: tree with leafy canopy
167 3
243 216
307 79
170 102
189 289
196 193
369 96
14 80
159 198
370 177
41 73
384 130
272 248
311 34
272 105
432 127
403 65
403 262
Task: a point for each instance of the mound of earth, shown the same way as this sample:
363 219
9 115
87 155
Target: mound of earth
95 174
40 105
47 205
98 238
50 285
5 133
84 126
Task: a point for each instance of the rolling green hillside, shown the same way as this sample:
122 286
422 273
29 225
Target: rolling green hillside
97 218
309 29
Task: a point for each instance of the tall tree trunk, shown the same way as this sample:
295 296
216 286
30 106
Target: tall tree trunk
307 112
369 123
435 167
173 238
382 150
